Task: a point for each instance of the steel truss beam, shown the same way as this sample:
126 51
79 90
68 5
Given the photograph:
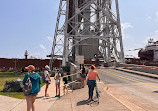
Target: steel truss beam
88 21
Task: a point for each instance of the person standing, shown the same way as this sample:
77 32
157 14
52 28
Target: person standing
83 76
36 81
65 80
47 79
57 82
92 81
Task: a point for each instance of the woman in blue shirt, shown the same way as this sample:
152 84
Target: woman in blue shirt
36 81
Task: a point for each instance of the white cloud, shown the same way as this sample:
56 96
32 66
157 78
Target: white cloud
156 32
124 27
50 39
156 14
43 47
148 18
154 36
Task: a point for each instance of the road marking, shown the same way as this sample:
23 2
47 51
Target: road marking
154 86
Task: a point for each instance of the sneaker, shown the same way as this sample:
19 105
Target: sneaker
57 96
88 99
91 99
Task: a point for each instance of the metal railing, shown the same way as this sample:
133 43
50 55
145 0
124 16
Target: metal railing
72 81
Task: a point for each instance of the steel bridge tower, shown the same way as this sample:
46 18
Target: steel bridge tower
88 28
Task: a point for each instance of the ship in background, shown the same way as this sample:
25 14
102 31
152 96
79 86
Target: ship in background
150 53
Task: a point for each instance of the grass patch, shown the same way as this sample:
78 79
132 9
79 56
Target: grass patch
19 95
9 73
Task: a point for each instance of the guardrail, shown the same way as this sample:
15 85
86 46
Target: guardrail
72 81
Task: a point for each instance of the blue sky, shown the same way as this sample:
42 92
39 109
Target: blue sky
30 24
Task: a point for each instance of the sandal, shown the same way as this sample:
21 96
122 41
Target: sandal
47 95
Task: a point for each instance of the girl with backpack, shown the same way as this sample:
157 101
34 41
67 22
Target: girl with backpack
31 84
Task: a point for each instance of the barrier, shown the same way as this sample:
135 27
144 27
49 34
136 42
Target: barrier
142 68
72 81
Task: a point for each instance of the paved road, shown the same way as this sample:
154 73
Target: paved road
132 90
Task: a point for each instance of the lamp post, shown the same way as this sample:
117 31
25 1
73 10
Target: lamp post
15 63
95 56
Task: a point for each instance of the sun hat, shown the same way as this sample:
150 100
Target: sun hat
93 67
47 67
31 67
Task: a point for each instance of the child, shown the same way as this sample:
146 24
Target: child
65 79
57 82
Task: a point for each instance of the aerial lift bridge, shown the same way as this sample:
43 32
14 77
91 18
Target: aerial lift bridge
89 28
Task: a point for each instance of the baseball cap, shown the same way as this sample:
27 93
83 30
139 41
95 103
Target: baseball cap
31 67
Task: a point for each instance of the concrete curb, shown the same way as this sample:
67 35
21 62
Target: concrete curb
137 73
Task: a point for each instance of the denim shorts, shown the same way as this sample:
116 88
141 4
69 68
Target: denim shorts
83 75
47 81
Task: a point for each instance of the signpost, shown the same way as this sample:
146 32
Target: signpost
80 60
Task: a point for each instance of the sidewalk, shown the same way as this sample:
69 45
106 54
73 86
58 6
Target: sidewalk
42 103
75 101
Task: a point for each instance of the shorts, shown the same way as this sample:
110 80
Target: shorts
31 94
57 81
47 81
83 75
65 82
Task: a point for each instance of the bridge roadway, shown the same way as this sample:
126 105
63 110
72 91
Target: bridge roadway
134 91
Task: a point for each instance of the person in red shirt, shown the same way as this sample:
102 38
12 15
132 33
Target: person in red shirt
92 81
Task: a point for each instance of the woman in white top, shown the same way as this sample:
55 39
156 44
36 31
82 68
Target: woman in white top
47 80
57 82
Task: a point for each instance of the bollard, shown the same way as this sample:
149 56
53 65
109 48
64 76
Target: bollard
59 88
72 83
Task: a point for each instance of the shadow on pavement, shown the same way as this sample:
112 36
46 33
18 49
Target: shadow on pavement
49 98
40 97
44 98
83 102
155 91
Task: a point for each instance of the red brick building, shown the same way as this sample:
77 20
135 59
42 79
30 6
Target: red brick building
21 63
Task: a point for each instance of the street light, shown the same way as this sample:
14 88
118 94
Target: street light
15 70
96 59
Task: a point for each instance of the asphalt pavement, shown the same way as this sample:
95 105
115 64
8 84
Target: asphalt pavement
131 89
